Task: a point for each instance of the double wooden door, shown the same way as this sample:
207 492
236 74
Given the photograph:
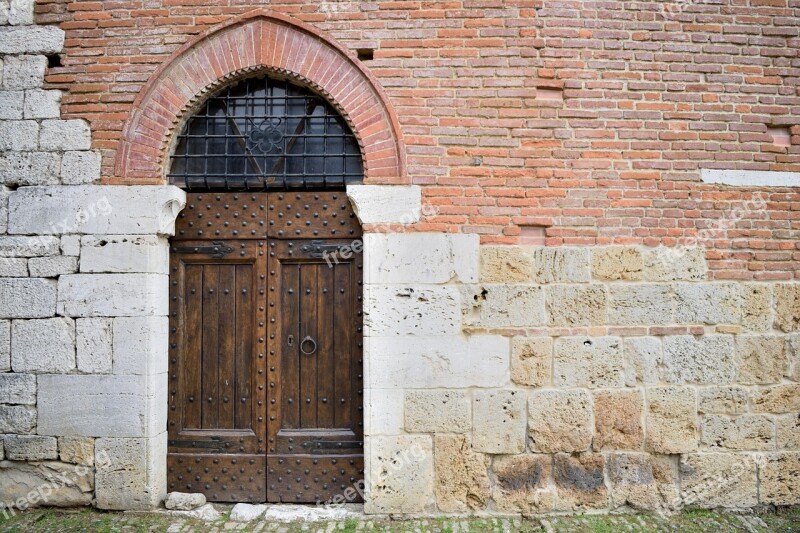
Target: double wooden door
265 368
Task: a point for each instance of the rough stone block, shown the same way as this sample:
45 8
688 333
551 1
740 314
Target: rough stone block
793 353
559 421
670 420
129 474
498 420
709 359
722 400
23 72
746 432
673 264
642 481
27 298
20 12
618 420
93 342
187 501
31 40
125 254
383 412
643 357
777 399
386 204
95 210
46 345
5 346
787 306
576 305
757 307
18 419
4 193
71 245
462 482
42 104
640 304
51 267
531 360
616 263
708 303
18 389
506 264
30 448
76 450
140 345
779 476
13 268
80 167
445 411
420 258
579 481
588 362
718 480
59 134
85 295
560 265
65 485
421 310
523 484
498 306
11 105
12 246
761 359
18 135
788 431
439 362
402 479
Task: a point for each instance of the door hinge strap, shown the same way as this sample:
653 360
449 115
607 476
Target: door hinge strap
213 445
319 249
323 446
216 249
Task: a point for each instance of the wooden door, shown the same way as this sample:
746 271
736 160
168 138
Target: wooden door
266 348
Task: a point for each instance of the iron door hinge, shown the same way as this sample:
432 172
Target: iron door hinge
216 249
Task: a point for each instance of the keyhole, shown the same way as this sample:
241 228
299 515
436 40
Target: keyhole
291 340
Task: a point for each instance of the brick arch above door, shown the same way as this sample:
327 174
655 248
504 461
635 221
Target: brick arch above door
259 41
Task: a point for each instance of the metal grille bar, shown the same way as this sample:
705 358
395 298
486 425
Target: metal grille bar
266 134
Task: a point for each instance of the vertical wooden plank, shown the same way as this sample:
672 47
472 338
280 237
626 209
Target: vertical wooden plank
210 361
343 332
326 357
244 371
192 355
309 294
290 375
228 318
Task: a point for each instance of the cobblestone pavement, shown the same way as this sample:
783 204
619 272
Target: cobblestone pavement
55 520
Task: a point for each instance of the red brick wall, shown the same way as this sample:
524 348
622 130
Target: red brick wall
590 117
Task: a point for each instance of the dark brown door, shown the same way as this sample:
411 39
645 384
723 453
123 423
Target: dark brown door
266 348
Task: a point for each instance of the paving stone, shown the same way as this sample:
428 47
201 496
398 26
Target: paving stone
428 411
593 362
559 421
670 420
531 361
718 480
498 421
709 359
618 420
462 482
576 305
579 481
523 484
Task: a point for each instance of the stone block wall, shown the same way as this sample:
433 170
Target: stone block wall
534 380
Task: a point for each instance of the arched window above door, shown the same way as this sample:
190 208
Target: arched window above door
265 133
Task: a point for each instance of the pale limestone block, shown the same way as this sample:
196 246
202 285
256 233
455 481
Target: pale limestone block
762 359
383 412
71 245
576 305
462 482
643 356
640 304
779 478
730 400
80 167
614 263
30 448
674 264
140 345
497 306
13 268
42 104
579 481
187 501
11 105
595 362
386 204
18 389
418 310
718 480
437 411
15 246
506 264
46 345
531 361
560 265
439 362
59 134
401 478
709 359
23 71
85 295
4 193
27 298
498 421
559 421
757 307
670 420
93 342
95 209
18 480
130 475
523 484
20 12
5 346
708 303
787 306
788 431
125 254
76 450
17 418
642 481
420 258
51 267
746 432
618 420
777 399
18 135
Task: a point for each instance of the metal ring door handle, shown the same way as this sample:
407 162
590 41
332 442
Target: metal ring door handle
313 345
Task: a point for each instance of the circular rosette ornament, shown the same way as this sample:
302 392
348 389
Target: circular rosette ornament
266 137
